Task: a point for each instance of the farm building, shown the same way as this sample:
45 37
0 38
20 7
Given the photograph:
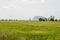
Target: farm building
36 18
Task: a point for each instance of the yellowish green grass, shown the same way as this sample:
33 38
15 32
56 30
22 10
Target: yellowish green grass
29 30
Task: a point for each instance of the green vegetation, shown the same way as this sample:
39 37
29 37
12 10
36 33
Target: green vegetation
29 30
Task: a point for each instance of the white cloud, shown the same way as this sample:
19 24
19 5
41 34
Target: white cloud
42 1
28 8
18 8
24 0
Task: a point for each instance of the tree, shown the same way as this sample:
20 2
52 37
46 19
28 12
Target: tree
56 20
51 18
41 19
59 19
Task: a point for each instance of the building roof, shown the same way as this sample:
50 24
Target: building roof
37 17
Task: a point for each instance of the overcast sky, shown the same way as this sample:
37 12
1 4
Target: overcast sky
25 9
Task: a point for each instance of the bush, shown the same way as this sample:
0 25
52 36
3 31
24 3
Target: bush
56 20
51 19
40 19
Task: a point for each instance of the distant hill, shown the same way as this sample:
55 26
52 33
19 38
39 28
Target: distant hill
37 17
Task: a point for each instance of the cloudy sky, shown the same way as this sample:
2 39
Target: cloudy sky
25 9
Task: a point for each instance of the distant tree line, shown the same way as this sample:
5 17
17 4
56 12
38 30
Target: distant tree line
9 20
51 18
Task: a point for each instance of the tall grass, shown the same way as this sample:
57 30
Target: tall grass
29 30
